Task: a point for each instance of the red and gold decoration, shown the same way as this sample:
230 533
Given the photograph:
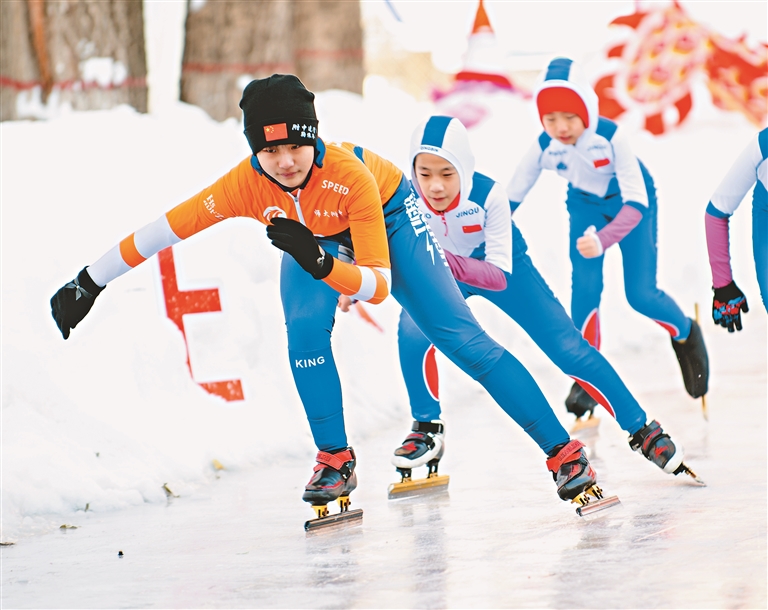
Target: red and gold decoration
664 51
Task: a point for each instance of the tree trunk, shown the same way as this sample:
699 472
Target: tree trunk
88 54
228 44
328 44
18 66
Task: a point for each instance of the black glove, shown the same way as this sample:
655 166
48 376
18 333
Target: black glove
297 240
727 306
73 301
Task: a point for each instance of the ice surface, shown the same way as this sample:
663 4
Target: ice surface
498 538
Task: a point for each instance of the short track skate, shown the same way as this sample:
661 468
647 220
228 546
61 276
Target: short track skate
683 469
333 478
408 487
591 501
325 519
656 445
576 479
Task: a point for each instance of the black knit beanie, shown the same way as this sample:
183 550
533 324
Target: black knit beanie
278 110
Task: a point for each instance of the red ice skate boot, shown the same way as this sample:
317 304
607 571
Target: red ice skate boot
334 478
576 480
655 444
571 470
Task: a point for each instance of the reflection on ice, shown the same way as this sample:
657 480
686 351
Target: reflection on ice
423 548
332 556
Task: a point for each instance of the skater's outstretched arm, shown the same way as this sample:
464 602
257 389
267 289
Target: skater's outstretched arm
245 192
749 168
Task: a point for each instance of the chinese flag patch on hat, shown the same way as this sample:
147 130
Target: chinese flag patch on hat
278 110
278 131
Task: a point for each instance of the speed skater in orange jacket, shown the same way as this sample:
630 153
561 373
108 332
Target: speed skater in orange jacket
361 217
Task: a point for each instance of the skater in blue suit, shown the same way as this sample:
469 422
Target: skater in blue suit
749 169
469 216
611 200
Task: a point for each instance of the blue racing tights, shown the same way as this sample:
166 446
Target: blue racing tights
639 258
528 301
424 286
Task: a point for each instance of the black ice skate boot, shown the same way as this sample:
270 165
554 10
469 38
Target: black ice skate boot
425 444
694 362
334 478
657 447
579 402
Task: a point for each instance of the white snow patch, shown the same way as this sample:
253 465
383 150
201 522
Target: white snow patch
105 71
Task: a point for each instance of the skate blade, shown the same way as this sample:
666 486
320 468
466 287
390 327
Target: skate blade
415 487
596 506
685 470
703 396
347 517
587 427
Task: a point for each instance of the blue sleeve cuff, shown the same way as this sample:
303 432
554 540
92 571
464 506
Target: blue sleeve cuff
513 205
643 209
713 211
